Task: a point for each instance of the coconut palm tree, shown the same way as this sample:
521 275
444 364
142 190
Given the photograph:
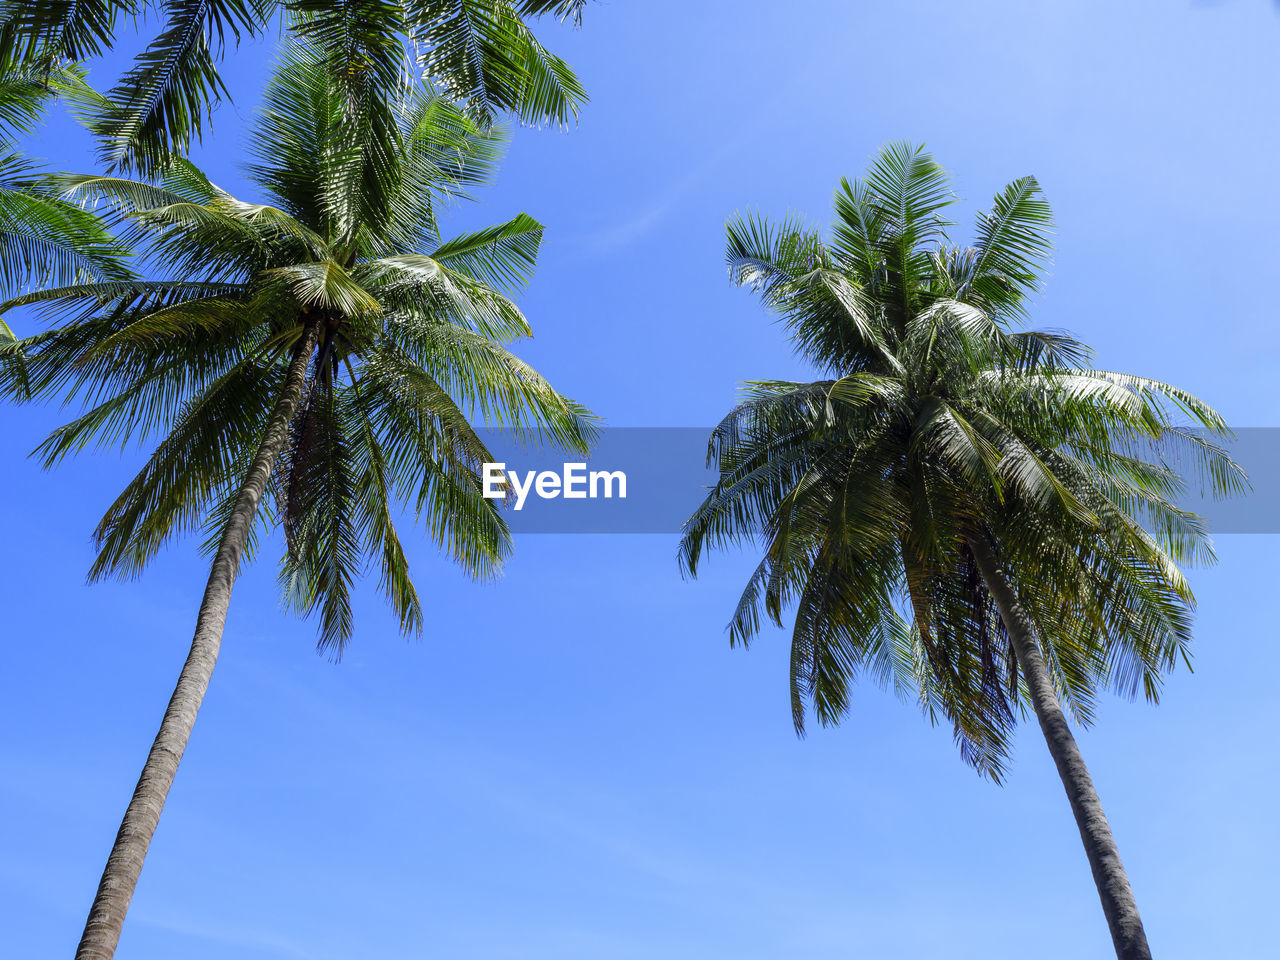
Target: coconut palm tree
479 52
958 507
323 355
43 238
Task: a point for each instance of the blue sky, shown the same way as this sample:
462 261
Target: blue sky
571 764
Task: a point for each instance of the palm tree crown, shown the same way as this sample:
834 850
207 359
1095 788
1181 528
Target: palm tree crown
407 344
939 431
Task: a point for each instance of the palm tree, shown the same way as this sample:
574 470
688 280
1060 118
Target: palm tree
958 508
479 52
311 341
43 238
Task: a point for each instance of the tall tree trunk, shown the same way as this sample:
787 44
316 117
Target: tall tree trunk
115 889
1104 858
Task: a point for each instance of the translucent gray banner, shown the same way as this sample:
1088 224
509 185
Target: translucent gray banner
666 477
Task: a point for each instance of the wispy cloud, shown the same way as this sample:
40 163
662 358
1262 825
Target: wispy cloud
613 238
238 937
653 213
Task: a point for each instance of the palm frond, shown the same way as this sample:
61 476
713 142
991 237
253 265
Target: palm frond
501 256
482 54
159 107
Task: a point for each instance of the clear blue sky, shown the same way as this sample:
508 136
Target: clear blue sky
571 764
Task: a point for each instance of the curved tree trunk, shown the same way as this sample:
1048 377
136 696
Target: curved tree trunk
1104 858
115 889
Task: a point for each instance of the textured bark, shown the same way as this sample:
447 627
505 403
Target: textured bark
1118 903
115 889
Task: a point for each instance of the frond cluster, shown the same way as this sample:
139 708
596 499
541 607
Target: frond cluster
43 238
479 53
939 422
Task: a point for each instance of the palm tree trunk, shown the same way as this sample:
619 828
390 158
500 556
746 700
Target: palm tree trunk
1100 846
115 889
